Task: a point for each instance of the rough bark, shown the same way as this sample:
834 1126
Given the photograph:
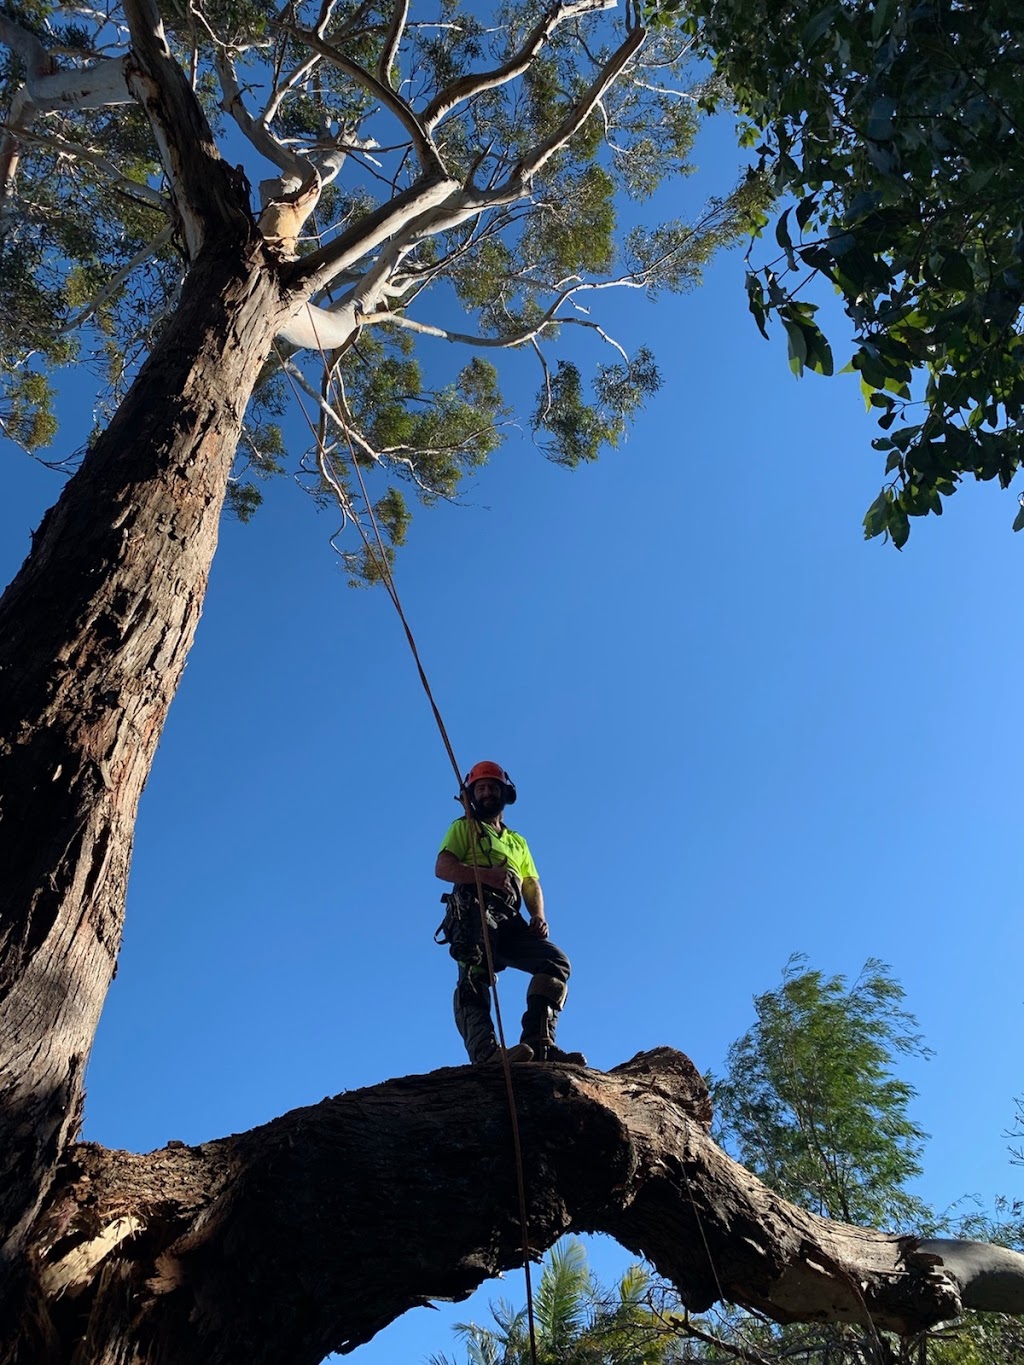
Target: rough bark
313 1232
93 636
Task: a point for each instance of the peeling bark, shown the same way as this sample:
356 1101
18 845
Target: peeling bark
313 1232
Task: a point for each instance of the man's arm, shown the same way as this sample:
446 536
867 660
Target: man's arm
534 898
449 869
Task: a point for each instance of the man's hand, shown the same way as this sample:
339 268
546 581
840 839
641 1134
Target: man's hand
539 927
504 879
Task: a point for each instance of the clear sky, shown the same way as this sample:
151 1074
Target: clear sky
738 731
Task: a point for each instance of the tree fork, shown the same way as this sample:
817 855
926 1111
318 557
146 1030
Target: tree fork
94 631
312 1232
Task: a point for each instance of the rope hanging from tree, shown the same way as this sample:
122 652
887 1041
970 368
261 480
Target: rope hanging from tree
378 557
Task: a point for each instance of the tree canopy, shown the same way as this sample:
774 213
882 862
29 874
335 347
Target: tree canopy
895 128
532 125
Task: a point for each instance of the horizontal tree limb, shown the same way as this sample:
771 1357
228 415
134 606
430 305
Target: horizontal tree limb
314 1231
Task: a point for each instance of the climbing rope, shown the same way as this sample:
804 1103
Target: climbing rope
379 558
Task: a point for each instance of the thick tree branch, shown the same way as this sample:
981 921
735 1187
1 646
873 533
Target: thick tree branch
389 51
47 88
315 1231
400 218
256 131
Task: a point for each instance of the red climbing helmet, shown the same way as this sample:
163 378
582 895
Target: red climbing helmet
493 772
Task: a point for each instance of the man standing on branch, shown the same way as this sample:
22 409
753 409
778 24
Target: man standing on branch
484 850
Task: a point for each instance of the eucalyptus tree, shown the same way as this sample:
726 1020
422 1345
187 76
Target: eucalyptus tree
443 175
432 176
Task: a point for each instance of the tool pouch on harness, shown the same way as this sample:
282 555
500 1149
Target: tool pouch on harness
460 929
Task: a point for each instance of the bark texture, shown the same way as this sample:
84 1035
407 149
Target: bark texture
313 1232
93 637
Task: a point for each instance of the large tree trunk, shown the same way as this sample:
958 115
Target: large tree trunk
93 637
313 1232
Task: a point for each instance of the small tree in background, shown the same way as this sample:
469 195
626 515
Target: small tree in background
810 1100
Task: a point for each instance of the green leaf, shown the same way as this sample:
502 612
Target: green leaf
819 352
797 346
1018 521
955 271
755 301
805 210
819 24
876 518
880 126
899 525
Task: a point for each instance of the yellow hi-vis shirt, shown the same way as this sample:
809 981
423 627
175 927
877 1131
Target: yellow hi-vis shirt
493 849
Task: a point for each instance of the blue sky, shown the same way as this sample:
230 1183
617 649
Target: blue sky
738 732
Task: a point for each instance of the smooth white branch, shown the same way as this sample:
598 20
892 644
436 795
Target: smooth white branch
468 86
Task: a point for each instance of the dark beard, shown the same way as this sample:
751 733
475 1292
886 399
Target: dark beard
488 807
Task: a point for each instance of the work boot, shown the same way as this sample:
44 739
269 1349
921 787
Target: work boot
520 1052
556 1054
539 1023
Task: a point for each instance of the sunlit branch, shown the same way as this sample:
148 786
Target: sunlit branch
94 87
534 161
687 95
399 17
465 87
256 130
521 338
542 359
406 214
426 152
283 88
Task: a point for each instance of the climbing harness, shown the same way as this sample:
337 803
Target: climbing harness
460 932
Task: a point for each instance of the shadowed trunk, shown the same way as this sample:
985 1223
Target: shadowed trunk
93 637
313 1232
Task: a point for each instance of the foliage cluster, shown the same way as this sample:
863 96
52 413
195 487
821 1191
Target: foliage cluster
895 126
577 1320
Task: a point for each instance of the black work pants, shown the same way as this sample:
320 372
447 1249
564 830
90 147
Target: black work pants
512 945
